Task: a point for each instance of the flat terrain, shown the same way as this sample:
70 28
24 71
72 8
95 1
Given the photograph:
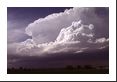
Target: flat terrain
58 71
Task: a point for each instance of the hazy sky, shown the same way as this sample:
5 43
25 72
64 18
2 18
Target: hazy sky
47 34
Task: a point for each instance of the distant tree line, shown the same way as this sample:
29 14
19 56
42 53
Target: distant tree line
86 67
69 67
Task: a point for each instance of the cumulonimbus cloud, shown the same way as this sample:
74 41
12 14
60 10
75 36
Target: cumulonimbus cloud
75 38
47 29
61 32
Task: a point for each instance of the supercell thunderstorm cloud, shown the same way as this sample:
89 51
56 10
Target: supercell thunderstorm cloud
70 32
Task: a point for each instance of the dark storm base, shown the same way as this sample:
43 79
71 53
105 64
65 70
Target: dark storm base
58 71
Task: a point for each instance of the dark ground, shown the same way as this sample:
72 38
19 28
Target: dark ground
67 70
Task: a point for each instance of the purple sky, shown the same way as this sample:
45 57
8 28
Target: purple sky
19 17
57 36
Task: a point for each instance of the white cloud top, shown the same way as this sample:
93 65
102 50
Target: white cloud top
43 29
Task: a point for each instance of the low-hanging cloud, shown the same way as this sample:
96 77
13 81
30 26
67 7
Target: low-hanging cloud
73 31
